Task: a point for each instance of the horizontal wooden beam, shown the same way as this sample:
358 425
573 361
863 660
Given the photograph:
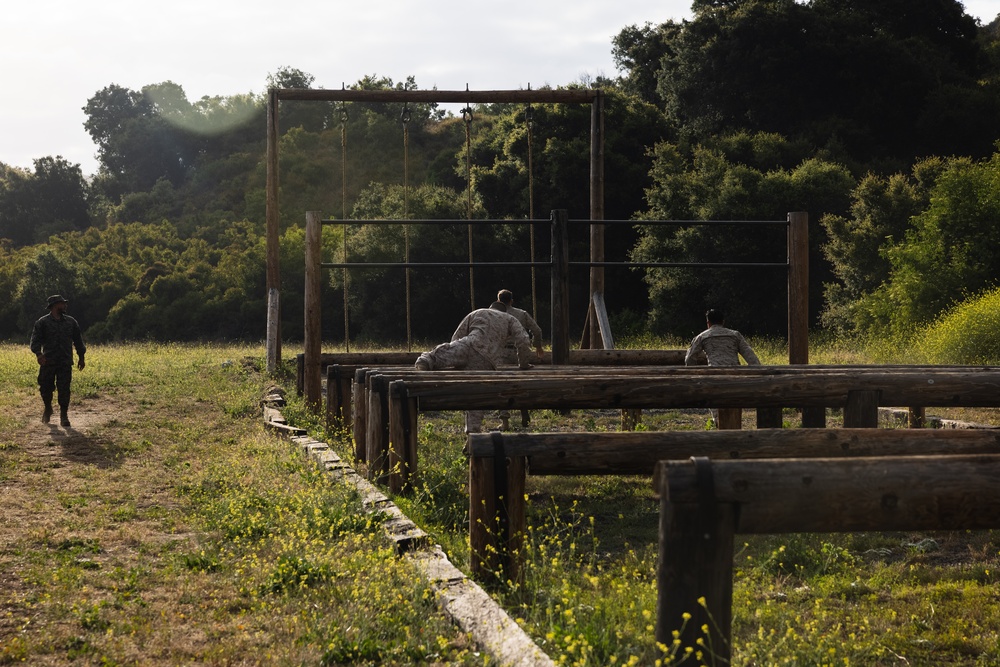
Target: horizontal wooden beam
819 389
573 96
884 493
578 453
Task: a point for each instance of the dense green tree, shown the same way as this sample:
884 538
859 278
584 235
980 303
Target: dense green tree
711 185
35 205
46 272
638 53
136 144
948 255
880 215
869 80
12 262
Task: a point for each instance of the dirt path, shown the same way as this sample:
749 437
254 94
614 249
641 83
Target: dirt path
78 443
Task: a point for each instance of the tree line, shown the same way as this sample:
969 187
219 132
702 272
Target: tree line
878 119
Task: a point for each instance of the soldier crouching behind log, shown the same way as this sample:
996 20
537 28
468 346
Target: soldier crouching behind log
722 346
478 345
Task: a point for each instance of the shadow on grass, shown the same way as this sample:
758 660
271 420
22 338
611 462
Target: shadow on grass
78 447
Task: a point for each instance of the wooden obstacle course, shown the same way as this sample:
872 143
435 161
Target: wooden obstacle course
499 463
705 503
858 392
339 370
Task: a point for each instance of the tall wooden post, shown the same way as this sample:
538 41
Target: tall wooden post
596 213
312 377
560 287
272 223
798 305
402 436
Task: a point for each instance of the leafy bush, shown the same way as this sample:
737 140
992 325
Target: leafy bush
967 334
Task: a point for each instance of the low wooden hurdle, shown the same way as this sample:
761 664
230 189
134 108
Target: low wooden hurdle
395 397
705 503
500 462
340 369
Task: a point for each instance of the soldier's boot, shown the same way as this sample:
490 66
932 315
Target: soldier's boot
47 412
64 415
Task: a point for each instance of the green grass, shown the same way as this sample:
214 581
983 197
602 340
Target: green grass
171 529
589 595
175 531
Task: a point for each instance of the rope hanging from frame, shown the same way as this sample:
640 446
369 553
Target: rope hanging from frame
529 121
467 117
343 215
404 116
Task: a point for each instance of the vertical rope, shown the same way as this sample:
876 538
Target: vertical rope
405 117
529 120
467 116
343 216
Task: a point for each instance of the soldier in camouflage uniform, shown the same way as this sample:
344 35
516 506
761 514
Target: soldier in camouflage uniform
52 340
478 344
722 346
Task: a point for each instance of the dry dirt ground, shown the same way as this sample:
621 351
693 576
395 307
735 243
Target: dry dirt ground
71 444
88 523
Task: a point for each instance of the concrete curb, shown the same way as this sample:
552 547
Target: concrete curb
460 598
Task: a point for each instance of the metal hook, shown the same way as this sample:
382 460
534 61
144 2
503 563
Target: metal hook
404 115
467 114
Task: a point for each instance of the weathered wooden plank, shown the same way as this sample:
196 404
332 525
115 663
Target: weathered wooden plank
822 389
705 503
637 453
886 493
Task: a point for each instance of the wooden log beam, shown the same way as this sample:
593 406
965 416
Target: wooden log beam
705 503
821 389
577 96
638 453
885 493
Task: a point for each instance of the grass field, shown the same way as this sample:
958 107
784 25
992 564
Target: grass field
830 599
166 527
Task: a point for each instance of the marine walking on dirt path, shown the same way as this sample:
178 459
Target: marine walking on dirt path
53 339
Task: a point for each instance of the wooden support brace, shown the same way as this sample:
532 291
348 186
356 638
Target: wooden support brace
695 570
861 410
769 418
704 503
377 445
360 423
402 437
497 520
730 419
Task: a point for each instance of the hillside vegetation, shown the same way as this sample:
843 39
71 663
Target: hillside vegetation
877 119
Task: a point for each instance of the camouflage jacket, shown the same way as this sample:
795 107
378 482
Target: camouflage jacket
56 339
722 346
489 331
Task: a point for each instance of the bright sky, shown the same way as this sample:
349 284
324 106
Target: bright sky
59 53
